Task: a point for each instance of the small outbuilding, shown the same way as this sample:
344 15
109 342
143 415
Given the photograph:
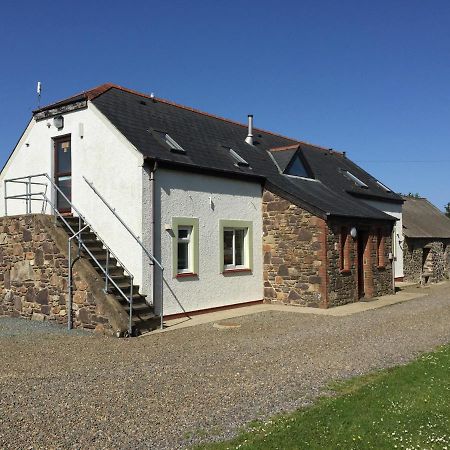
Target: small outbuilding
426 245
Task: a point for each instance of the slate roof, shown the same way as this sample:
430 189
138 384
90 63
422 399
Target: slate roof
421 219
208 138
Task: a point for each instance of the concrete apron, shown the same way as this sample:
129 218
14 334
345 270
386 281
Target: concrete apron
337 311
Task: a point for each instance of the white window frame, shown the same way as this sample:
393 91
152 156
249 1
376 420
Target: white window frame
188 240
381 185
191 223
240 161
245 225
355 179
244 256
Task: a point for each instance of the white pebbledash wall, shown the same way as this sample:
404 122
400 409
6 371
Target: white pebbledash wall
208 198
395 210
104 157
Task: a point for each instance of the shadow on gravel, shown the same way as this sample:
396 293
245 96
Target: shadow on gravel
23 328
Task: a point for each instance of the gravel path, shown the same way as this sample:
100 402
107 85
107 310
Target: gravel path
170 390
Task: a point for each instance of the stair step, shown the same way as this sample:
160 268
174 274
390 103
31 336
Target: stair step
136 298
143 317
140 308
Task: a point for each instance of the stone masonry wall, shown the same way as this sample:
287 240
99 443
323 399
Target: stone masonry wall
294 248
302 257
436 266
343 283
34 274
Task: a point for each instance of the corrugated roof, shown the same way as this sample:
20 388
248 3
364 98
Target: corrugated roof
421 219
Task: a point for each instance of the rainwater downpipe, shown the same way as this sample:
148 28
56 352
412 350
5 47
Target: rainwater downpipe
153 238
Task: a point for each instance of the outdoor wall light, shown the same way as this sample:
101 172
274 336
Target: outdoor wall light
58 121
353 232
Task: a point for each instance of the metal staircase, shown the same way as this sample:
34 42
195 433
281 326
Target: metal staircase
119 282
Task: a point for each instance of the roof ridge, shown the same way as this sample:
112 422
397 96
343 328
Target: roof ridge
95 92
214 116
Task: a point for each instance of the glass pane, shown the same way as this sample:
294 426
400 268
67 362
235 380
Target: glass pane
228 247
63 157
183 233
183 256
298 169
239 247
65 184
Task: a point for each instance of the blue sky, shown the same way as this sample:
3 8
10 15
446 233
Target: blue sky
368 77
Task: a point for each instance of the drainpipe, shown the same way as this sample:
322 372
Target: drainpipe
393 243
152 221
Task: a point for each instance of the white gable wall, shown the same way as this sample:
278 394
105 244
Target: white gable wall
104 157
183 194
395 210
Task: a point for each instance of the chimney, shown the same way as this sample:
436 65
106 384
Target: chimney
249 138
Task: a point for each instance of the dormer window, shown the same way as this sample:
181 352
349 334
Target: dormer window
169 141
355 179
238 160
382 186
297 168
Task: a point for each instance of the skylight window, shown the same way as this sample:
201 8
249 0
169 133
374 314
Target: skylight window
355 179
239 161
297 168
382 186
170 142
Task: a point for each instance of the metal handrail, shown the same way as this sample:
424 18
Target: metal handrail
136 238
28 197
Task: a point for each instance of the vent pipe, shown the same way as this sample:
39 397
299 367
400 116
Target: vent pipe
249 138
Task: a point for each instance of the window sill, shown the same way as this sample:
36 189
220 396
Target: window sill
230 271
186 275
345 271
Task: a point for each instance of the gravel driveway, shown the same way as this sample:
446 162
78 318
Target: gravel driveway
172 389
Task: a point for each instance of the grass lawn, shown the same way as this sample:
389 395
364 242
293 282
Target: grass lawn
404 407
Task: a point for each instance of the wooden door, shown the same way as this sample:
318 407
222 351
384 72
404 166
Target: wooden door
362 243
63 173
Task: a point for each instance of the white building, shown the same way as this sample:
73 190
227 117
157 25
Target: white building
158 180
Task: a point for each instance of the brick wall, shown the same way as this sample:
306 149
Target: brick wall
34 275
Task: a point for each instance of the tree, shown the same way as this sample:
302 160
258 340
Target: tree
447 210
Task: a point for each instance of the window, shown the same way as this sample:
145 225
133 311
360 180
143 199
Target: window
382 186
235 245
297 168
344 250
185 246
355 179
169 141
184 263
239 161
380 249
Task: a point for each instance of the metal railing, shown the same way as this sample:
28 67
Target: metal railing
136 238
30 196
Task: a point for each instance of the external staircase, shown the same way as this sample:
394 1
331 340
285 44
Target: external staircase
118 281
143 317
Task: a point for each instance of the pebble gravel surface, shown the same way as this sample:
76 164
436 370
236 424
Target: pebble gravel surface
172 390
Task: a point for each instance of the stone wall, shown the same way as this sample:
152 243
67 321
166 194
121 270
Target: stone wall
294 248
302 257
426 260
34 276
343 283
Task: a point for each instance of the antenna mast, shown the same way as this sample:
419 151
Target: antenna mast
39 90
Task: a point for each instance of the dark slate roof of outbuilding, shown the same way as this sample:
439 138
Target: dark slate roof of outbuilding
207 139
421 219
